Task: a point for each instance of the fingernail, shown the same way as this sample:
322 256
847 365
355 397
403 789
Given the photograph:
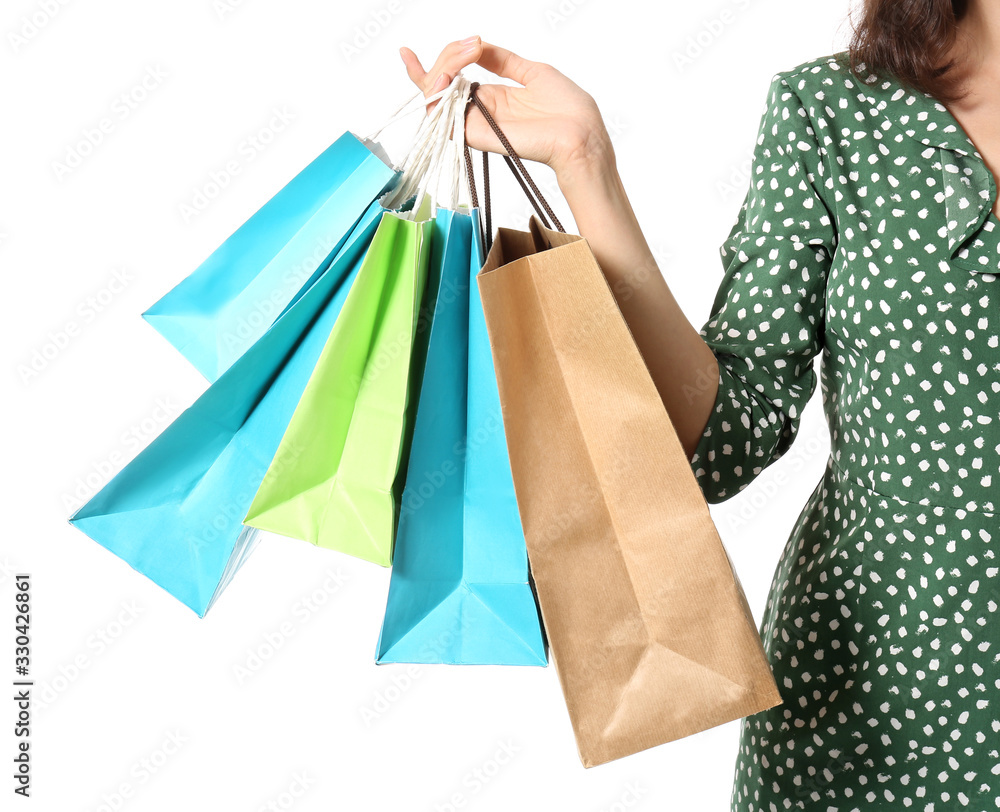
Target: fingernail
440 84
467 40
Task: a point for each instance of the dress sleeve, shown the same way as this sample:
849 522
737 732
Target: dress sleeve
766 324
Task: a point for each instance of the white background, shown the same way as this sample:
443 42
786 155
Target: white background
683 127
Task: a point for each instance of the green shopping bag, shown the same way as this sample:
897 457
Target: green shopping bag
332 481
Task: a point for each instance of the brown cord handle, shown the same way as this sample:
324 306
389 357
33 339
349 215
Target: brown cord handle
514 162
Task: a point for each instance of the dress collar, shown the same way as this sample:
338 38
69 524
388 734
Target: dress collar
969 187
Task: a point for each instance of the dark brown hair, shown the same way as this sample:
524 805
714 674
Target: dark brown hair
910 40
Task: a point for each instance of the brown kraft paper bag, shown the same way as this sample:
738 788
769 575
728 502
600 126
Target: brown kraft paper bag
648 626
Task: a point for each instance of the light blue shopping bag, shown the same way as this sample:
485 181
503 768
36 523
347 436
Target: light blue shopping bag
175 512
460 590
216 313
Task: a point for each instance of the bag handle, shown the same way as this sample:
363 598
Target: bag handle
516 166
406 108
432 151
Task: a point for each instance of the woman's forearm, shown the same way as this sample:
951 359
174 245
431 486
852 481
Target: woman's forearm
680 363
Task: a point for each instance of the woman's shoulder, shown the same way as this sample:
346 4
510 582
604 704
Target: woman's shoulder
829 74
829 87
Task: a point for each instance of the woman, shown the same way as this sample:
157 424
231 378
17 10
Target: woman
870 233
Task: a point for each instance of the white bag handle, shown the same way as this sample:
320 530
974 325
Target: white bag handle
401 111
460 194
444 154
416 161
433 150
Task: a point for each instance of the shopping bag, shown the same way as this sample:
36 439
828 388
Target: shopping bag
355 417
459 590
332 481
649 628
174 512
215 314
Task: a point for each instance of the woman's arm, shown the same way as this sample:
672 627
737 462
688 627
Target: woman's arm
682 365
552 120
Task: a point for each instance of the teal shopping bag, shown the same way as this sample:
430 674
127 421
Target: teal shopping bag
215 314
460 589
175 512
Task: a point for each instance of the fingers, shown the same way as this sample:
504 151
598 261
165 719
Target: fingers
507 64
462 53
455 56
414 69
421 78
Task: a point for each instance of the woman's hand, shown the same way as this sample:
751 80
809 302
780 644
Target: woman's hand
550 119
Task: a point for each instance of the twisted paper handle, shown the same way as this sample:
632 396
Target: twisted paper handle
516 166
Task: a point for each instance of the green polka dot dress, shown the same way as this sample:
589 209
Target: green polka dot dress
867 237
